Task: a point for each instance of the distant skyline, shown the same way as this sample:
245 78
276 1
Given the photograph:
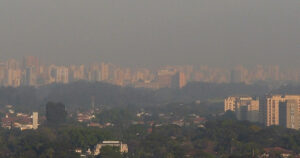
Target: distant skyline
151 33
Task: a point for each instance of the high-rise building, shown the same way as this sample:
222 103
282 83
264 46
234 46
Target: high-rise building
13 64
2 74
179 80
189 70
62 75
259 73
51 74
245 108
58 74
289 114
13 77
74 73
127 74
238 75
273 73
35 120
119 77
30 76
270 110
182 80
104 72
30 61
164 80
234 102
95 75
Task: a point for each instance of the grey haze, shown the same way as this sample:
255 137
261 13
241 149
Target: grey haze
152 32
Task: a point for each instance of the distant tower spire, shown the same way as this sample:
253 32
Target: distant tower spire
93 103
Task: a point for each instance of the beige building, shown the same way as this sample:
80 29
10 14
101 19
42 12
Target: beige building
230 103
289 114
58 74
62 75
271 109
13 77
104 72
35 120
178 80
245 108
234 102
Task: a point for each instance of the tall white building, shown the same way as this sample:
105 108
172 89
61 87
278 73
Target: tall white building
35 120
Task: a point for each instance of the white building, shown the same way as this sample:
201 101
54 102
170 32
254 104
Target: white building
35 120
119 144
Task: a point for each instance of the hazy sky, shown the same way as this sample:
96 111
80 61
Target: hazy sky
152 32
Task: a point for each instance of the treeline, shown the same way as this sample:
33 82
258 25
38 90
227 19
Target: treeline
287 89
226 138
79 94
49 142
220 136
122 117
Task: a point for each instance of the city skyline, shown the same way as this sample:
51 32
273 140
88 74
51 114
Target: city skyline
45 62
32 72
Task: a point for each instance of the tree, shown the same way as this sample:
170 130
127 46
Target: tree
110 152
55 114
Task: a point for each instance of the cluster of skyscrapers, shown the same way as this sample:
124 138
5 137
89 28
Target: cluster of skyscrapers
283 110
31 72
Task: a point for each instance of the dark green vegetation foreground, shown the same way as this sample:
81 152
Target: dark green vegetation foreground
223 137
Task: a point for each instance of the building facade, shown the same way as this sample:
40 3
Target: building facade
271 108
245 108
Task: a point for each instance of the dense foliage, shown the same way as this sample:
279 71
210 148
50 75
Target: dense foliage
49 143
223 137
55 113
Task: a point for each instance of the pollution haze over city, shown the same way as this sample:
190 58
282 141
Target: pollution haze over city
149 79
151 33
